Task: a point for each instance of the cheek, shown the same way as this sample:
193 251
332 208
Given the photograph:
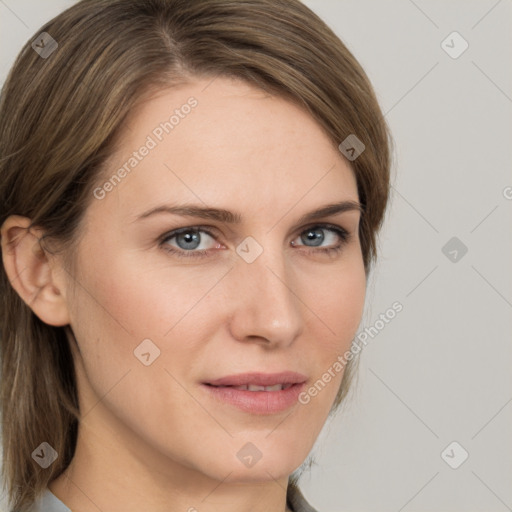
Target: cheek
118 308
126 294
339 306
337 299
348 303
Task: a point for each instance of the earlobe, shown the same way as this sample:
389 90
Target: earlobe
30 271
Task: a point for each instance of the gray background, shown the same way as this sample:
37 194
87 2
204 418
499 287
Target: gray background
440 370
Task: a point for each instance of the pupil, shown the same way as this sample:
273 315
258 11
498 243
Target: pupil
190 238
315 235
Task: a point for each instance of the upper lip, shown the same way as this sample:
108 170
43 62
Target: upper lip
259 379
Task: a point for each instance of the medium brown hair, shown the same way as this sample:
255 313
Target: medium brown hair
60 117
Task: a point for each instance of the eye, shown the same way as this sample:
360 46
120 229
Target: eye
188 241
315 236
196 241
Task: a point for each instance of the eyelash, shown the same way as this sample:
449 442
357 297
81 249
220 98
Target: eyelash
342 233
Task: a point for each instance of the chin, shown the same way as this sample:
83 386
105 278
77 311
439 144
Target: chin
253 464
260 473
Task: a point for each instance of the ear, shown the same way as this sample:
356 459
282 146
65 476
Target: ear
32 271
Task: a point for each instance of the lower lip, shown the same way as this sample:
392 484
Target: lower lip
257 402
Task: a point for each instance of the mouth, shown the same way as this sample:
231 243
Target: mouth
255 387
257 393
260 379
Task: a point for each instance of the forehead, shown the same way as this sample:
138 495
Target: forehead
225 141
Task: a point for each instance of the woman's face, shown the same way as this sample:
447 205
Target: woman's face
159 315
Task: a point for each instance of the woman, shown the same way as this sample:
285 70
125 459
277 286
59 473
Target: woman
190 196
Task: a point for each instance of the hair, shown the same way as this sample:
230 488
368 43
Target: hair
60 118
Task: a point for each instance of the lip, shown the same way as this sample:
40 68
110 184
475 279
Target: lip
257 402
259 379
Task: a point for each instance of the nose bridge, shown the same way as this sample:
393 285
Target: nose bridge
266 305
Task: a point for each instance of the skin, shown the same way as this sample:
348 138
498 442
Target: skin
150 437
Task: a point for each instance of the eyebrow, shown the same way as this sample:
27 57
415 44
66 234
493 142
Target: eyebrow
229 217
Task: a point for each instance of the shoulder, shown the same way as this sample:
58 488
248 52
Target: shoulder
296 500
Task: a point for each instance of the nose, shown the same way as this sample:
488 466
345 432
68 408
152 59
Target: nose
266 308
